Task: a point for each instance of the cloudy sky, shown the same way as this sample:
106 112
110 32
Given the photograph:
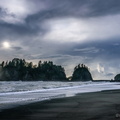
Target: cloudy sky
67 32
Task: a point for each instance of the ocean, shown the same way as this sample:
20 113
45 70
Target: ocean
17 93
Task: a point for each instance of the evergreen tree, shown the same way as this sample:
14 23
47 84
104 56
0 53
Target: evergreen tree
3 64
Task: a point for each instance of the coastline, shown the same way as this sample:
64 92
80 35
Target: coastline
102 105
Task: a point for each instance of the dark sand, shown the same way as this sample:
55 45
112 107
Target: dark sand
103 105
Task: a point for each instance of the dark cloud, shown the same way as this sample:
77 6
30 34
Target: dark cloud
109 74
108 49
76 8
17 48
102 7
8 29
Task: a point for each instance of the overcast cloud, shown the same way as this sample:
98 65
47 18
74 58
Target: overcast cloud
67 32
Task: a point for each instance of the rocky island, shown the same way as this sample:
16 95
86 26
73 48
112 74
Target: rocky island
81 73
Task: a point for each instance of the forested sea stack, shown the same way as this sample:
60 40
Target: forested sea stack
117 78
81 73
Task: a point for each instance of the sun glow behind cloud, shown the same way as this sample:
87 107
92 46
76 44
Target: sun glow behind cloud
6 45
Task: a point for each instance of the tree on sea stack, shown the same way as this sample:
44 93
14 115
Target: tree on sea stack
81 73
117 78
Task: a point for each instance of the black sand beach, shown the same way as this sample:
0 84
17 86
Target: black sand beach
103 105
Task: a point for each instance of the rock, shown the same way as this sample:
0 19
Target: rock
81 73
117 78
117 115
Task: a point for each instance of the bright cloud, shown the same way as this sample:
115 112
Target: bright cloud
17 10
82 30
87 50
100 68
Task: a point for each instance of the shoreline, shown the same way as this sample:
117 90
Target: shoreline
102 105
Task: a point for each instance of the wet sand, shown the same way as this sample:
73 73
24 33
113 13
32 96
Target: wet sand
103 105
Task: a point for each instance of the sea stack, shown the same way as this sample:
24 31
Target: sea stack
81 73
117 78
